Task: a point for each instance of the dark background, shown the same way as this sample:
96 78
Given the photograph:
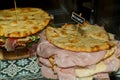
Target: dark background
103 12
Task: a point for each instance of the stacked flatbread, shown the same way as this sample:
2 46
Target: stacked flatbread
78 52
20 27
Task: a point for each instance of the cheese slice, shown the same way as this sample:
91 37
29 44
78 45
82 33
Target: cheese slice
84 72
86 78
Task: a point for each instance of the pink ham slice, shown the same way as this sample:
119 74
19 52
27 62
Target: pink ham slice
66 74
102 76
112 64
118 49
10 44
44 61
46 49
61 74
48 73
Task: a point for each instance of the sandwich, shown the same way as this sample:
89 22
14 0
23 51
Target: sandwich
19 31
78 52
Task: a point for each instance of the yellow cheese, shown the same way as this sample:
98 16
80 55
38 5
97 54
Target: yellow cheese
84 72
86 78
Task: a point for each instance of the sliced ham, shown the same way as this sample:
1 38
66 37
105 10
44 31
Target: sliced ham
78 59
100 70
62 74
46 49
45 61
113 64
101 76
109 65
66 74
10 44
118 49
48 72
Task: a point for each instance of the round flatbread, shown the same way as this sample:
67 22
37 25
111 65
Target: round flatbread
22 22
76 38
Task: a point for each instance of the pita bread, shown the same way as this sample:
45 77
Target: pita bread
70 38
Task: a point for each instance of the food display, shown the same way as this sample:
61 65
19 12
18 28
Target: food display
33 46
78 52
19 31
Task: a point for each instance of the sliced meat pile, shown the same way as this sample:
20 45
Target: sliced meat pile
68 65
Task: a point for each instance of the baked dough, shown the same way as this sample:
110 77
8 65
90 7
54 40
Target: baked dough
79 38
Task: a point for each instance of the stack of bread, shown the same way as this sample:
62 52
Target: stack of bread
19 31
78 52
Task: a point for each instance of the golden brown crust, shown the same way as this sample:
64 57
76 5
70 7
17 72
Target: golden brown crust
70 38
36 20
21 28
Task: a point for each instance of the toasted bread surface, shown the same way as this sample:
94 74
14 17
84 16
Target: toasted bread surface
79 38
27 21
